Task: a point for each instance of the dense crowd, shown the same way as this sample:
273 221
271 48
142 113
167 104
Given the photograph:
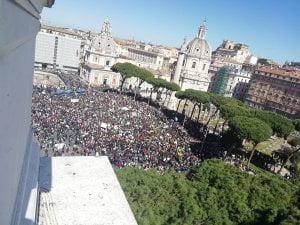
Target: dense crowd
130 133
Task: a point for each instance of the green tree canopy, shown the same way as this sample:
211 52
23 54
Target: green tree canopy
280 125
296 123
126 71
161 83
251 129
218 100
213 193
231 110
194 95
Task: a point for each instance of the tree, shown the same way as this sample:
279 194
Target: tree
289 153
159 83
142 75
230 141
169 87
296 123
181 96
231 109
280 125
211 193
251 129
126 71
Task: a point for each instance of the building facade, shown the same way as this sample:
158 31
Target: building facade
193 63
236 51
58 51
275 89
240 63
99 58
236 83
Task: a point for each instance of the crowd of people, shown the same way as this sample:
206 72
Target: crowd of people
130 133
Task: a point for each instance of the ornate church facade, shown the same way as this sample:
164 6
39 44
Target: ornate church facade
100 56
193 63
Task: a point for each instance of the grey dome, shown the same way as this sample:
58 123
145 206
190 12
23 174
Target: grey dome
199 47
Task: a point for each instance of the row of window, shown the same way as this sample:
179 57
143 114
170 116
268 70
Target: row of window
194 64
282 107
96 60
293 82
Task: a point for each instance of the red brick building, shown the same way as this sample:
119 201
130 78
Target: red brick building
275 89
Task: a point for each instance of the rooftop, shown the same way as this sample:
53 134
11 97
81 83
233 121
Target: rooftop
59 30
81 190
280 71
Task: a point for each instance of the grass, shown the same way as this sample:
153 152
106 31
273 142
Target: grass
267 147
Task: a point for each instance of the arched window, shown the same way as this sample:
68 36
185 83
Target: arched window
194 65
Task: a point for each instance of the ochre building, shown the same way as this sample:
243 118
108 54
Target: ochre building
275 89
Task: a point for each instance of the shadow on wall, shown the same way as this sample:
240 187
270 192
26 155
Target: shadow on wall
46 205
240 90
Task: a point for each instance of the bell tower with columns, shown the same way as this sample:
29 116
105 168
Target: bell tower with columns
194 59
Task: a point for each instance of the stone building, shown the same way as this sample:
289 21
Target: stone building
57 50
240 62
158 59
275 89
193 63
236 85
100 56
236 51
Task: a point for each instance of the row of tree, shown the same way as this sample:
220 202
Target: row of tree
128 70
245 123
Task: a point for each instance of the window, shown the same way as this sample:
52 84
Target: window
194 65
107 62
105 81
204 65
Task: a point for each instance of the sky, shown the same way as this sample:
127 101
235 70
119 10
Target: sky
271 28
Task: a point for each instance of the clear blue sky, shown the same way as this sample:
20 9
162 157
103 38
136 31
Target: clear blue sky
270 27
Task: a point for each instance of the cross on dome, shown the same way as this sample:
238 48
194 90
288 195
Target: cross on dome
202 30
106 27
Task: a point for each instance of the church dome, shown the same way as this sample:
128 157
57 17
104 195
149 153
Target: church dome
199 45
